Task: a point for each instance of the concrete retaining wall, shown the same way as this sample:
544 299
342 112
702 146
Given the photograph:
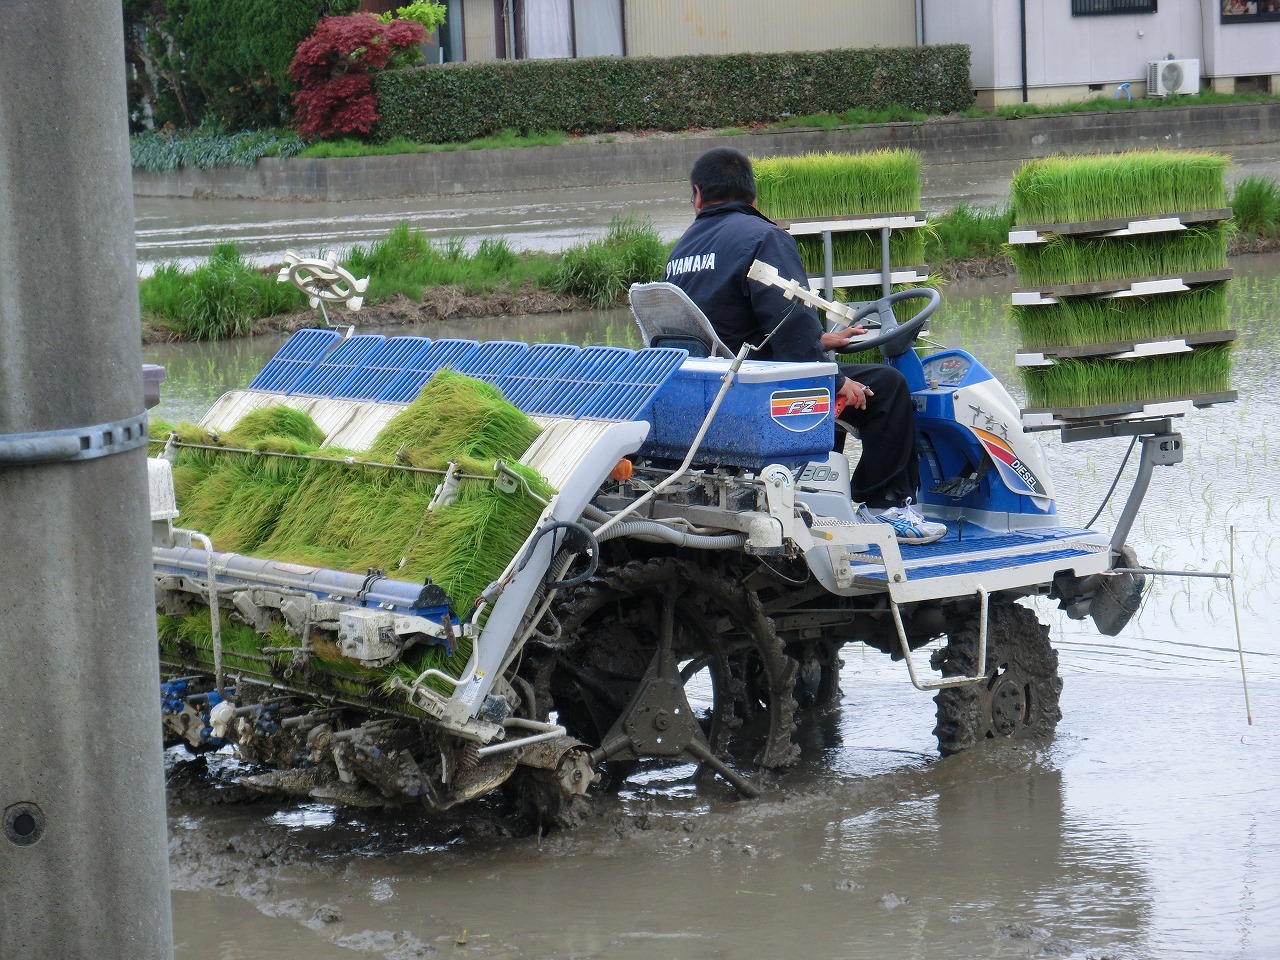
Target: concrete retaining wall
668 158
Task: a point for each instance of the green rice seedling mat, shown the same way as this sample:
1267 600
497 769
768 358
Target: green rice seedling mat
1093 382
844 185
1076 260
1054 418
267 488
1130 346
1076 321
1110 186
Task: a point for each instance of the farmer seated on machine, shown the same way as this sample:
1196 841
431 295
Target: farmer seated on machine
710 264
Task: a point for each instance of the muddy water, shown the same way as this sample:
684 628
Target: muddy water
1145 829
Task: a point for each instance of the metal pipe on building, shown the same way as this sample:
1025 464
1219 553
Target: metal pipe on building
83 852
1022 38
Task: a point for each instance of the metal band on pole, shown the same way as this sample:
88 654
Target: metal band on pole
73 443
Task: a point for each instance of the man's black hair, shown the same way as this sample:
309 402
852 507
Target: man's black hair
723 174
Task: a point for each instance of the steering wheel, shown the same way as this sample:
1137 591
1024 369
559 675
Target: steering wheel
323 281
892 338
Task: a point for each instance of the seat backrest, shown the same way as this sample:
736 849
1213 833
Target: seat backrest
668 318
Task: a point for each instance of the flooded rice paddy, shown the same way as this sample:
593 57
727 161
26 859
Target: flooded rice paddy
1147 828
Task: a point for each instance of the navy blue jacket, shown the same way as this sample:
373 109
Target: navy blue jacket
710 264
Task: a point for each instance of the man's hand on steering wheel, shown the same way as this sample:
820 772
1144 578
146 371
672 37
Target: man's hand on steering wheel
839 339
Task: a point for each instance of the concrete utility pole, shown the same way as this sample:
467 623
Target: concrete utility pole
83 865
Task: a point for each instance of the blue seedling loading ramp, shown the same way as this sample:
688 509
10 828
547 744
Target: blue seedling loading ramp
493 359
632 387
443 353
292 361
542 365
592 368
391 359
351 354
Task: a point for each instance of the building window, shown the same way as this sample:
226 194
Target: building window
1094 8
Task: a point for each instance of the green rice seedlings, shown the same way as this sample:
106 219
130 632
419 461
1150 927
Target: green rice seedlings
1100 187
1076 321
1097 382
455 416
1069 260
860 250
838 184
432 657
258 428
465 546
1255 206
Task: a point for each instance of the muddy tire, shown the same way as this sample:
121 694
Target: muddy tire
1019 700
721 631
818 684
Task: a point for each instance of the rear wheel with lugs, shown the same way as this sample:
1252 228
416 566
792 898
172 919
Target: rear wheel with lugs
1018 700
726 654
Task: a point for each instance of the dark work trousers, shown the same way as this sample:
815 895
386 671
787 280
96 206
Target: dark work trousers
888 471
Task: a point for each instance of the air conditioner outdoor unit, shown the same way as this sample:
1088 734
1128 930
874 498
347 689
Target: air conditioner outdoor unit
1172 76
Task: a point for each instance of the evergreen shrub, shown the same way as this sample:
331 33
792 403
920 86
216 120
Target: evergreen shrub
459 102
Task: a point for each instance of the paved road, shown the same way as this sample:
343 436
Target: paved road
187 229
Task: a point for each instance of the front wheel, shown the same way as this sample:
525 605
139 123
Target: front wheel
1018 700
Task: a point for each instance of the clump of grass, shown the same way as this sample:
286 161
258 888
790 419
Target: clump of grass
1068 259
222 298
1084 320
966 231
505 139
1074 189
210 147
407 262
603 270
1098 382
856 117
1255 206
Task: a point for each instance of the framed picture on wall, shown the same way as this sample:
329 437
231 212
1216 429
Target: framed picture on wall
1250 11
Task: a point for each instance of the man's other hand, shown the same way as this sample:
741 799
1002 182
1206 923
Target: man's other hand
855 394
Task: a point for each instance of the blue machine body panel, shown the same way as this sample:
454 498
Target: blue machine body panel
775 412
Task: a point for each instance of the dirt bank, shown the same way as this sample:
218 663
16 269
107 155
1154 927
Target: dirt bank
453 303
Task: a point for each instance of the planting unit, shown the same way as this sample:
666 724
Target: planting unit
424 569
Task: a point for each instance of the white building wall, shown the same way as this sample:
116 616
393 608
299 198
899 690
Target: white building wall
972 22
664 28
1241 49
1066 54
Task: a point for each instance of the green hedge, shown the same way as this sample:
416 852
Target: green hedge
459 102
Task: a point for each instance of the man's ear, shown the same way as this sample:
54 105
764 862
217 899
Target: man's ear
697 199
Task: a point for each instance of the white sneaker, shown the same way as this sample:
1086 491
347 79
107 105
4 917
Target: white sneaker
910 526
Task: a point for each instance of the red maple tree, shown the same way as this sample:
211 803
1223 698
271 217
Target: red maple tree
332 69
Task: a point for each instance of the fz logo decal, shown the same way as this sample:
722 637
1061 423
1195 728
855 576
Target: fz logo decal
799 410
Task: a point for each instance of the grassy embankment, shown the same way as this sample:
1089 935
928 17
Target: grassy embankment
227 297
